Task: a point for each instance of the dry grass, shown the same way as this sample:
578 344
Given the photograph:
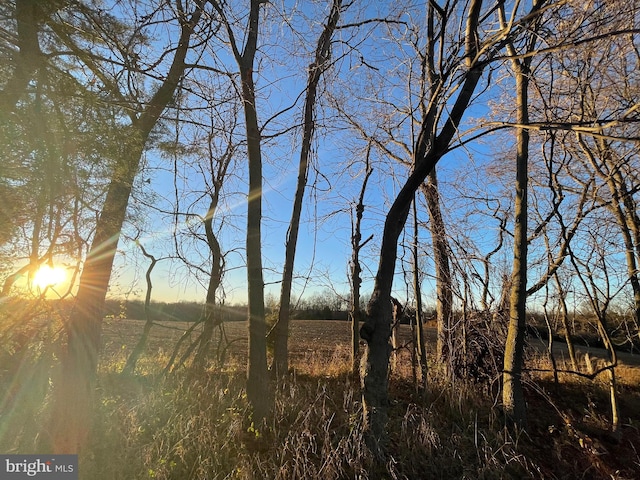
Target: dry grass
190 426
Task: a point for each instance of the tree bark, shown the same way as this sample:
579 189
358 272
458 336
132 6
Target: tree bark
376 330
444 288
257 376
323 55
258 391
73 396
419 347
512 392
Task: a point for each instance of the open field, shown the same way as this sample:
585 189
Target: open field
454 431
311 339
193 425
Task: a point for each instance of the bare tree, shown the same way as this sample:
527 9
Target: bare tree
138 350
258 390
355 279
512 393
218 167
513 398
593 274
433 141
74 392
316 69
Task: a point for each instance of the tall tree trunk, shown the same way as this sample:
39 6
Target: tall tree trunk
257 373
512 393
323 55
258 389
73 395
376 329
419 347
444 288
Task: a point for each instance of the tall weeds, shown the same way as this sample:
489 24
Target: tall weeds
198 426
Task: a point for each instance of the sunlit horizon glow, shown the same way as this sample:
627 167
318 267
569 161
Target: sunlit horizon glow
48 276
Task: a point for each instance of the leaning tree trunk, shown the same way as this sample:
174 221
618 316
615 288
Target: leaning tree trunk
323 55
375 331
73 394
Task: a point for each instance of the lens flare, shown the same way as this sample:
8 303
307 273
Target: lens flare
48 276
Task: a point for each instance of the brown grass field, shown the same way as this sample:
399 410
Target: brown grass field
454 431
323 341
197 425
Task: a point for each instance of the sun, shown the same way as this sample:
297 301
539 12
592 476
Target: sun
48 276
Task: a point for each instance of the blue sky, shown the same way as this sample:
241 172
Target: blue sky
371 65
375 70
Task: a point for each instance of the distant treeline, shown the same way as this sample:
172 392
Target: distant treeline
191 311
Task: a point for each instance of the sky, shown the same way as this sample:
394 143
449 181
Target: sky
371 86
323 247
362 76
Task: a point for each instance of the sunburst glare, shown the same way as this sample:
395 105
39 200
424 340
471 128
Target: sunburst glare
48 276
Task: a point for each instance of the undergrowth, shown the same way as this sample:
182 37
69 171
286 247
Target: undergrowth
198 426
